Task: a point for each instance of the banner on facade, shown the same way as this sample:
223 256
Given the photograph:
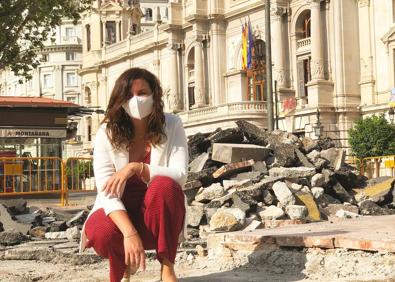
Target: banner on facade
288 105
392 98
33 133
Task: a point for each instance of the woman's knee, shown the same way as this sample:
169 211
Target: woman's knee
165 186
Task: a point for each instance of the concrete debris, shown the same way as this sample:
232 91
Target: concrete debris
243 178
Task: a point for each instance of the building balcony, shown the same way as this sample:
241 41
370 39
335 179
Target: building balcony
303 45
71 40
207 119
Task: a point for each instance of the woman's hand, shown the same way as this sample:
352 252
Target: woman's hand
134 252
116 183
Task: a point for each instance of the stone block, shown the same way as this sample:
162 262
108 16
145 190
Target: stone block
210 193
195 215
231 153
296 211
227 220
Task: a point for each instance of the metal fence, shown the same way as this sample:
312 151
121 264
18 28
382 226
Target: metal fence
46 175
373 167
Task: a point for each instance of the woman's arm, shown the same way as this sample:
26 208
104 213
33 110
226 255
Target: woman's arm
177 168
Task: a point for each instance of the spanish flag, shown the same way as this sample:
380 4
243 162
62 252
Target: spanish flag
244 46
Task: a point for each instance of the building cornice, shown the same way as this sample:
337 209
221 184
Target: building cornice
248 9
62 48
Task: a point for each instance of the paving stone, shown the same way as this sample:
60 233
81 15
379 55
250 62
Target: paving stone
292 172
232 168
232 153
198 163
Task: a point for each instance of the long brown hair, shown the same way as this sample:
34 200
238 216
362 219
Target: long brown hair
120 129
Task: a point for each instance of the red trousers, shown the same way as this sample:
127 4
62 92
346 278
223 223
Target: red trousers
156 211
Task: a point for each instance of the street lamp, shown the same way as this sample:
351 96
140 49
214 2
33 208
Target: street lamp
318 128
391 114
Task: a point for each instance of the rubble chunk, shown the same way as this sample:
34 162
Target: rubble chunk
271 212
292 172
232 168
296 211
231 153
210 193
198 163
227 220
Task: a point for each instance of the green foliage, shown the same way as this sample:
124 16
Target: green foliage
372 136
25 25
79 169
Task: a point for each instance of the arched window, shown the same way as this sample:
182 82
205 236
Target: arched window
256 74
148 14
307 26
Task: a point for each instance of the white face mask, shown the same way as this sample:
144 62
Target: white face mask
139 106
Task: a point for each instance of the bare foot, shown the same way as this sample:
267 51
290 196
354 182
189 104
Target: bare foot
167 271
129 271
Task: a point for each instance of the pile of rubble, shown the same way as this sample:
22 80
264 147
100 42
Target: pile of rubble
239 179
246 178
20 223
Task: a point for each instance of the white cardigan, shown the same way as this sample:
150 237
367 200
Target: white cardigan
168 159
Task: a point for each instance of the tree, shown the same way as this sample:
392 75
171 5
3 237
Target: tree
25 25
372 136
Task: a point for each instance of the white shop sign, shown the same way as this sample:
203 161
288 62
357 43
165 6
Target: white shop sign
32 133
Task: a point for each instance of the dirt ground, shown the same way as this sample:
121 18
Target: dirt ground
280 265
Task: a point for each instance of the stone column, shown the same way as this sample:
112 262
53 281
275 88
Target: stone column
118 31
317 59
174 98
104 35
200 99
367 78
278 46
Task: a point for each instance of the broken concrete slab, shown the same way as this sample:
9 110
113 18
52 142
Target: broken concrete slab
332 209
292 172
318 180
271 212
379 193
30 219
10 224
260 166
190 190
334 156
205 176
296 211
284 155
307 199
231 153
253 133
309 144
78 219
233 168
253 225
11 238
195 215
15 206
210 193
230 135
369 207
198 163
338 191
246 175
283 194
303 159
227 220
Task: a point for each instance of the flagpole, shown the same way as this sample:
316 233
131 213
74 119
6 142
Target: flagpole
269 88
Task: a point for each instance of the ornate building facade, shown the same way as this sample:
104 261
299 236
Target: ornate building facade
332 57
